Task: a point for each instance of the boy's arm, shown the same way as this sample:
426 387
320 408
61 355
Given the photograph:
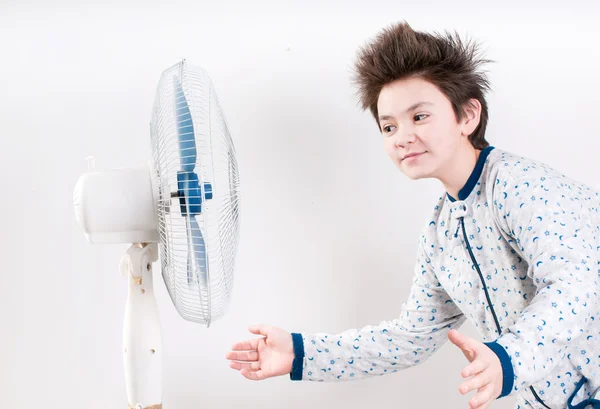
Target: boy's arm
551 224
421 329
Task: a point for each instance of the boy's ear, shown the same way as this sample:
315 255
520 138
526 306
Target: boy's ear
471 116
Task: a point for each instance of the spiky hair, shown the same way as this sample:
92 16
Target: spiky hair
446 61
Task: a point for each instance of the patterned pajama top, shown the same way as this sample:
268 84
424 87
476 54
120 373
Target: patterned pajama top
517 254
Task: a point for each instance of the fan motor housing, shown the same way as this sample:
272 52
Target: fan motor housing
117 206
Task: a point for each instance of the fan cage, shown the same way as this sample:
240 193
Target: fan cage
198 301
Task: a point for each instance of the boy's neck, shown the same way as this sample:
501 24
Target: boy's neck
458 172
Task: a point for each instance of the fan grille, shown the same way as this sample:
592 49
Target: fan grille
199 301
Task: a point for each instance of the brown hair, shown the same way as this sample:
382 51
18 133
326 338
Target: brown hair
446 61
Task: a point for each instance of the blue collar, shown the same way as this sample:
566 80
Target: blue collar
472 181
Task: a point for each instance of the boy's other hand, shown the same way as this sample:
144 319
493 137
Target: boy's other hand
484 370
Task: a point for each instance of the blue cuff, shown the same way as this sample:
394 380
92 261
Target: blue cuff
298 362
508 374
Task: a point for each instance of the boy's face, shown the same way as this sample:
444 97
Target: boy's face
417 118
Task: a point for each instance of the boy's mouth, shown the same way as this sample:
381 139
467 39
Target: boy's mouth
411 155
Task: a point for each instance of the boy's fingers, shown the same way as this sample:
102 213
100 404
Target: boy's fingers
483 398
476 382
474 368
259 329
463 343
251 366
458 339
248 345
484 406
242 356
253 375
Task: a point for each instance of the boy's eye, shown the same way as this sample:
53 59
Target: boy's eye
420 117
388 128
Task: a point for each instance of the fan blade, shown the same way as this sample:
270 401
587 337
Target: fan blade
185 129
197 262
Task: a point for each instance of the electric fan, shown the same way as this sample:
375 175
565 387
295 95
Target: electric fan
183 207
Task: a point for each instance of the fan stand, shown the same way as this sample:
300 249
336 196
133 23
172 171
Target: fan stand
142 343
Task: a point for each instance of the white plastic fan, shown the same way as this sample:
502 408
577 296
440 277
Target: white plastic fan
185 206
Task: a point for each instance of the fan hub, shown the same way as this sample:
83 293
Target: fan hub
190 193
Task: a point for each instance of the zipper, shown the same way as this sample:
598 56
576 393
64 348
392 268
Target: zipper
537 397
489 301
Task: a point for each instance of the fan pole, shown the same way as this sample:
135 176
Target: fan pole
142 343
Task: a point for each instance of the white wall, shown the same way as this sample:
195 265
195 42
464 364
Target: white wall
329 226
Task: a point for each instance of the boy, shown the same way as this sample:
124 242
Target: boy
512 246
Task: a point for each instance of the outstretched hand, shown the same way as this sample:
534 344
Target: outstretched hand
484 370
262 358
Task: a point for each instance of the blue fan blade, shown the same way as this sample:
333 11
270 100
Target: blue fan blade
198 253
185 129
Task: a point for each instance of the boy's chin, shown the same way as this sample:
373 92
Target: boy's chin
416 175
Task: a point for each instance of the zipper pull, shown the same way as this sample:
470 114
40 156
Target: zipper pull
460 220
